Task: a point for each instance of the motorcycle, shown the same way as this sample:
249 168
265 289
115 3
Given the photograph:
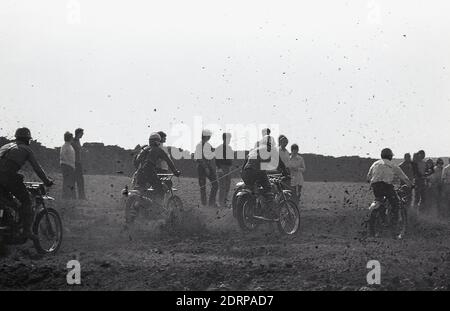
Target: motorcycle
380 214
241 185
248 208
145 204
47 225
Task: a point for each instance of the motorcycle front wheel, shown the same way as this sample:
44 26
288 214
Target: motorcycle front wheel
175 209
48 228
289 219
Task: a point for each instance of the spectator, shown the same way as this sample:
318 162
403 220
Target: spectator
435 185
284 153
224 161
407 167
79 179
446 188
419 179
67 162
285 158
204 156
297 167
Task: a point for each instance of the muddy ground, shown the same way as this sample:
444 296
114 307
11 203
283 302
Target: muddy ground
209 252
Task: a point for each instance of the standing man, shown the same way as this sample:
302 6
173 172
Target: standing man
79 179
204 156
407 167
435 184
224 161
420 179
446 188
67 162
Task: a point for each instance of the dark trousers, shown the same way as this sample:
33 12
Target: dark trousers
419 191
202 175
13 183
79 181
382 190
298 192
224 176
68 184
147 176
252 177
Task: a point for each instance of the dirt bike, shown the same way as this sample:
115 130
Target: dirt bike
380 215
47 225
145 204
248 208
241 185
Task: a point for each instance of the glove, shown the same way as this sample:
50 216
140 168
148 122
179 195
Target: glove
49 183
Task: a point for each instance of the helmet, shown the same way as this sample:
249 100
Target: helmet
23 132
206 133
155 137
387 153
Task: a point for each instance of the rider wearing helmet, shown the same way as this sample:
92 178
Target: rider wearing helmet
381 177
148 158
259 160
12 157
163 167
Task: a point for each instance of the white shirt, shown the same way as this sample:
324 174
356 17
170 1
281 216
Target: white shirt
446 175
67 155
385 171
297 167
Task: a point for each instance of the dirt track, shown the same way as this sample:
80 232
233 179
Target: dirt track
210 252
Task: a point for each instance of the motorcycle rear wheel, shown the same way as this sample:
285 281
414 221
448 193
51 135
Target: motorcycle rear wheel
245 211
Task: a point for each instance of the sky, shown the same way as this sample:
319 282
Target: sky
336 77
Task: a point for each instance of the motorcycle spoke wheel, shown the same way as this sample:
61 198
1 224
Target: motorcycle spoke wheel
289 219
48 228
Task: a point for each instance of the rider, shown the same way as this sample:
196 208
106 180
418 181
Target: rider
255 169
162 166
381 177
148 159
12 157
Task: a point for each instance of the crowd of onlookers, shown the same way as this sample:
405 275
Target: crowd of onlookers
431 178
431 182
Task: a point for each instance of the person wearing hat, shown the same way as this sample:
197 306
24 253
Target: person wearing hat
148 158
381 177
12 158
204 156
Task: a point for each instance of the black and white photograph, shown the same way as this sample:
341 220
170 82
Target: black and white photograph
224 152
